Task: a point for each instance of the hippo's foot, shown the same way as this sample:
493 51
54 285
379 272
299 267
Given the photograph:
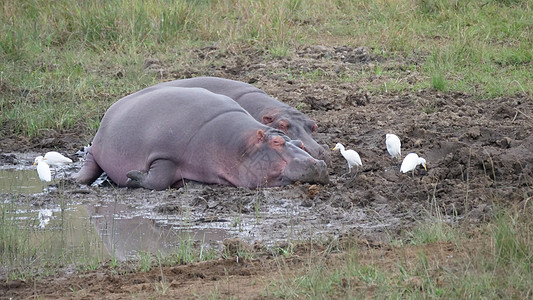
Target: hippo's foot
89 172
160 176
135 178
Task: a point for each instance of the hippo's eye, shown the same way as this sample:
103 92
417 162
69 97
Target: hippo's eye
283 125
277 142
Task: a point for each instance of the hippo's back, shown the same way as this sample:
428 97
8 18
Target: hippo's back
227 87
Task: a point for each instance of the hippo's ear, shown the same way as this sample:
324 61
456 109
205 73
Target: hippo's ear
268 119
260 135
256 140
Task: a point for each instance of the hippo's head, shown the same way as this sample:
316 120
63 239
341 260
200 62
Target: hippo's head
298 126
272 159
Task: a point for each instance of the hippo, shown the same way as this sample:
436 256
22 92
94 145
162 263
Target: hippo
163 137
264 109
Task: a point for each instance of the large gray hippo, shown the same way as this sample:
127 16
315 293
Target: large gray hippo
162 137
263 108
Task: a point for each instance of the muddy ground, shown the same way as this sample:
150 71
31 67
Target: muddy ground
479 156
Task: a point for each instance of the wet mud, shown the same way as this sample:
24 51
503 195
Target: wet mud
479 155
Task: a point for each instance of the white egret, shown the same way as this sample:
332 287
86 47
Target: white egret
351 156
43 169
56 159
394 146
410 162
53 159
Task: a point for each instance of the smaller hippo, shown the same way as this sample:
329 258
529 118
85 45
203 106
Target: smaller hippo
162 137
264 109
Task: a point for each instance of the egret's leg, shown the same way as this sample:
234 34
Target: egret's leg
53 171
397 161
349 171
44 186
356 171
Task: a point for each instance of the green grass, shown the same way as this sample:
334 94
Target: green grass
62 63
494 264
186 252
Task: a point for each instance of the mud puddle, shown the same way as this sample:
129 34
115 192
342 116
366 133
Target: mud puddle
105 230
128 232
122 231
61 231
133 221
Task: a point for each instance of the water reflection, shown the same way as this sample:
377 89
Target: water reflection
52 233
105 230
45 215
20 181
126 231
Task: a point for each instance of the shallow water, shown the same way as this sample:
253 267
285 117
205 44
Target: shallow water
127 231
122 231
20 181
52 233
104 230
22 177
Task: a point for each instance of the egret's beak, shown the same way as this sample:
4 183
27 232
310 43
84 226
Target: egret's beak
335 148
425 167
34 164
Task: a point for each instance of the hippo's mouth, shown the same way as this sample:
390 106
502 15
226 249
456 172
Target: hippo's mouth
281 181
305 170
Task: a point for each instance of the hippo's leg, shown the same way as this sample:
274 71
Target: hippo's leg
89 172
160 176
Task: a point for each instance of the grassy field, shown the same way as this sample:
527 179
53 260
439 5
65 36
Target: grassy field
435 261
62 63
